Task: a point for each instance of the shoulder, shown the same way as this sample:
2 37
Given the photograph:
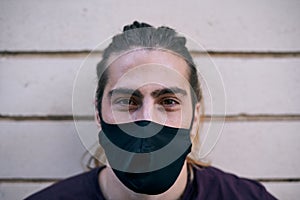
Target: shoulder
225 185
82 186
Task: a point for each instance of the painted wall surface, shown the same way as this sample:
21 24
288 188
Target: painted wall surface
255 45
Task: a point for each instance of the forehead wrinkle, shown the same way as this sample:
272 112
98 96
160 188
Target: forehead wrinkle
137 58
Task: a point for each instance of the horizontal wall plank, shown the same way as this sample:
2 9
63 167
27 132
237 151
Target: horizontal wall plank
259 149
53 149
17 191
37 86
40 149
43 86
284 191
261 86
41 26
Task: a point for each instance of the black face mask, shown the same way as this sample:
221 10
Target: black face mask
145 156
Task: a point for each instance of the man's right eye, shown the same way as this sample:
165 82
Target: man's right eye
126 103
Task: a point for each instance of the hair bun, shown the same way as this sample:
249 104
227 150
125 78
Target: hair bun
135 25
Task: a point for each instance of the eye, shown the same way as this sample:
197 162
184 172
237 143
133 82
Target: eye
170 102
126 103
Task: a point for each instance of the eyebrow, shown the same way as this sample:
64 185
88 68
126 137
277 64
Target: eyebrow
156 93
171 90
126 91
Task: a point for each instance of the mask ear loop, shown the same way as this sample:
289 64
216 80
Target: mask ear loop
191 162
194 102
96 159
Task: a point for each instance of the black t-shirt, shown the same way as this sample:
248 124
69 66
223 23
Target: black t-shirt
209 183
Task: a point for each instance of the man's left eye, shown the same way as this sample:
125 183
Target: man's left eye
169 102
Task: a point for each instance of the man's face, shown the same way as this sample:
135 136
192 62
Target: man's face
148 85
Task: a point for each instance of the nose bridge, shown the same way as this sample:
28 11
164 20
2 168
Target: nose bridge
150 111
146 110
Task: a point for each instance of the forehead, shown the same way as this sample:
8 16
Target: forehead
140 67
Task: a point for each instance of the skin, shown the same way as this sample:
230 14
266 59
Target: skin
147 85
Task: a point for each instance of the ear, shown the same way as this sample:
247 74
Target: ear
96 117
196 120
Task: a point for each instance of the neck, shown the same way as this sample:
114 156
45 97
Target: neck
112 188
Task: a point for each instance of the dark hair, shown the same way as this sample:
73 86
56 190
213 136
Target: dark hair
142 35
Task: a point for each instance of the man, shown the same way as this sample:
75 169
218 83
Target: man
148 103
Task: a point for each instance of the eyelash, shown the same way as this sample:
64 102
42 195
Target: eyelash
174 101
122 100
133 104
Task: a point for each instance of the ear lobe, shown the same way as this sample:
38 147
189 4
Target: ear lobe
97 119
196 120
197 112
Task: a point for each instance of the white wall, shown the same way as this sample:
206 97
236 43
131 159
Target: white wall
255 44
